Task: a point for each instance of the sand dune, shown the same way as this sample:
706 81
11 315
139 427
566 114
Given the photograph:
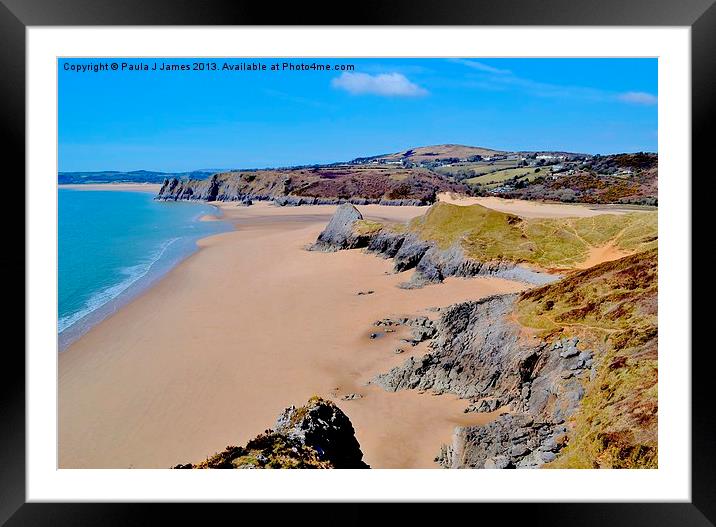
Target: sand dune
533 209
246 326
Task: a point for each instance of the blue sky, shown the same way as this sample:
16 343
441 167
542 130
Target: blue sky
185 120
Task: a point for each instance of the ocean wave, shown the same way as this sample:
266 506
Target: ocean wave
102 297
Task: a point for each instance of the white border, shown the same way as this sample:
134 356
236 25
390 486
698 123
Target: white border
671 482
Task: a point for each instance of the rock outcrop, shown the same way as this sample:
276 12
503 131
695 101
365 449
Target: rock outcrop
511 441
477 353
339 233
317 435
421 328
408 251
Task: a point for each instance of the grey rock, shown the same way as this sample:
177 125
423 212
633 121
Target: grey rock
467 362
497 462
323 426
585 355
339 234
484 405
569 352
548 444
386 243
546 457
410 253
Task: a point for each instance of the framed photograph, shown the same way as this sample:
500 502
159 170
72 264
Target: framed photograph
442 254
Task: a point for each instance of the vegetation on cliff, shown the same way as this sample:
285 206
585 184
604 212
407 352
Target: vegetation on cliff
488 235
316 435
613 308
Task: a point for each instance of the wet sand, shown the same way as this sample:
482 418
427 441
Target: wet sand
249 324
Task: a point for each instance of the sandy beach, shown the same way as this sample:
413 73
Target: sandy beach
250 324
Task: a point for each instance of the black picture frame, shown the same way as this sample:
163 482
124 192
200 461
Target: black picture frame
17 15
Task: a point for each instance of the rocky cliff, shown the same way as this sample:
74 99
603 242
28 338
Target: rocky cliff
315 186
349 230
317 435
478 354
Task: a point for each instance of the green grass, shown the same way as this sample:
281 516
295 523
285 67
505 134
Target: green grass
616 423
447 224
487 235
367 227
479 167
504 175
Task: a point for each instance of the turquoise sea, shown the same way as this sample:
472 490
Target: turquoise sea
114 244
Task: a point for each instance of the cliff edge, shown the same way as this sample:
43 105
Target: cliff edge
316 435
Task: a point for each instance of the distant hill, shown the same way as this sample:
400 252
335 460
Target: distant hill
432 153
440 152
135 176
415 176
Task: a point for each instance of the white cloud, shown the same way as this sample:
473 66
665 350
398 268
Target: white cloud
481 66
638 97
385 84
499 79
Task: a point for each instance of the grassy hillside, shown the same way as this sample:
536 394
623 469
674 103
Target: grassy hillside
639 187
505 175
486 234
474 169
612 308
